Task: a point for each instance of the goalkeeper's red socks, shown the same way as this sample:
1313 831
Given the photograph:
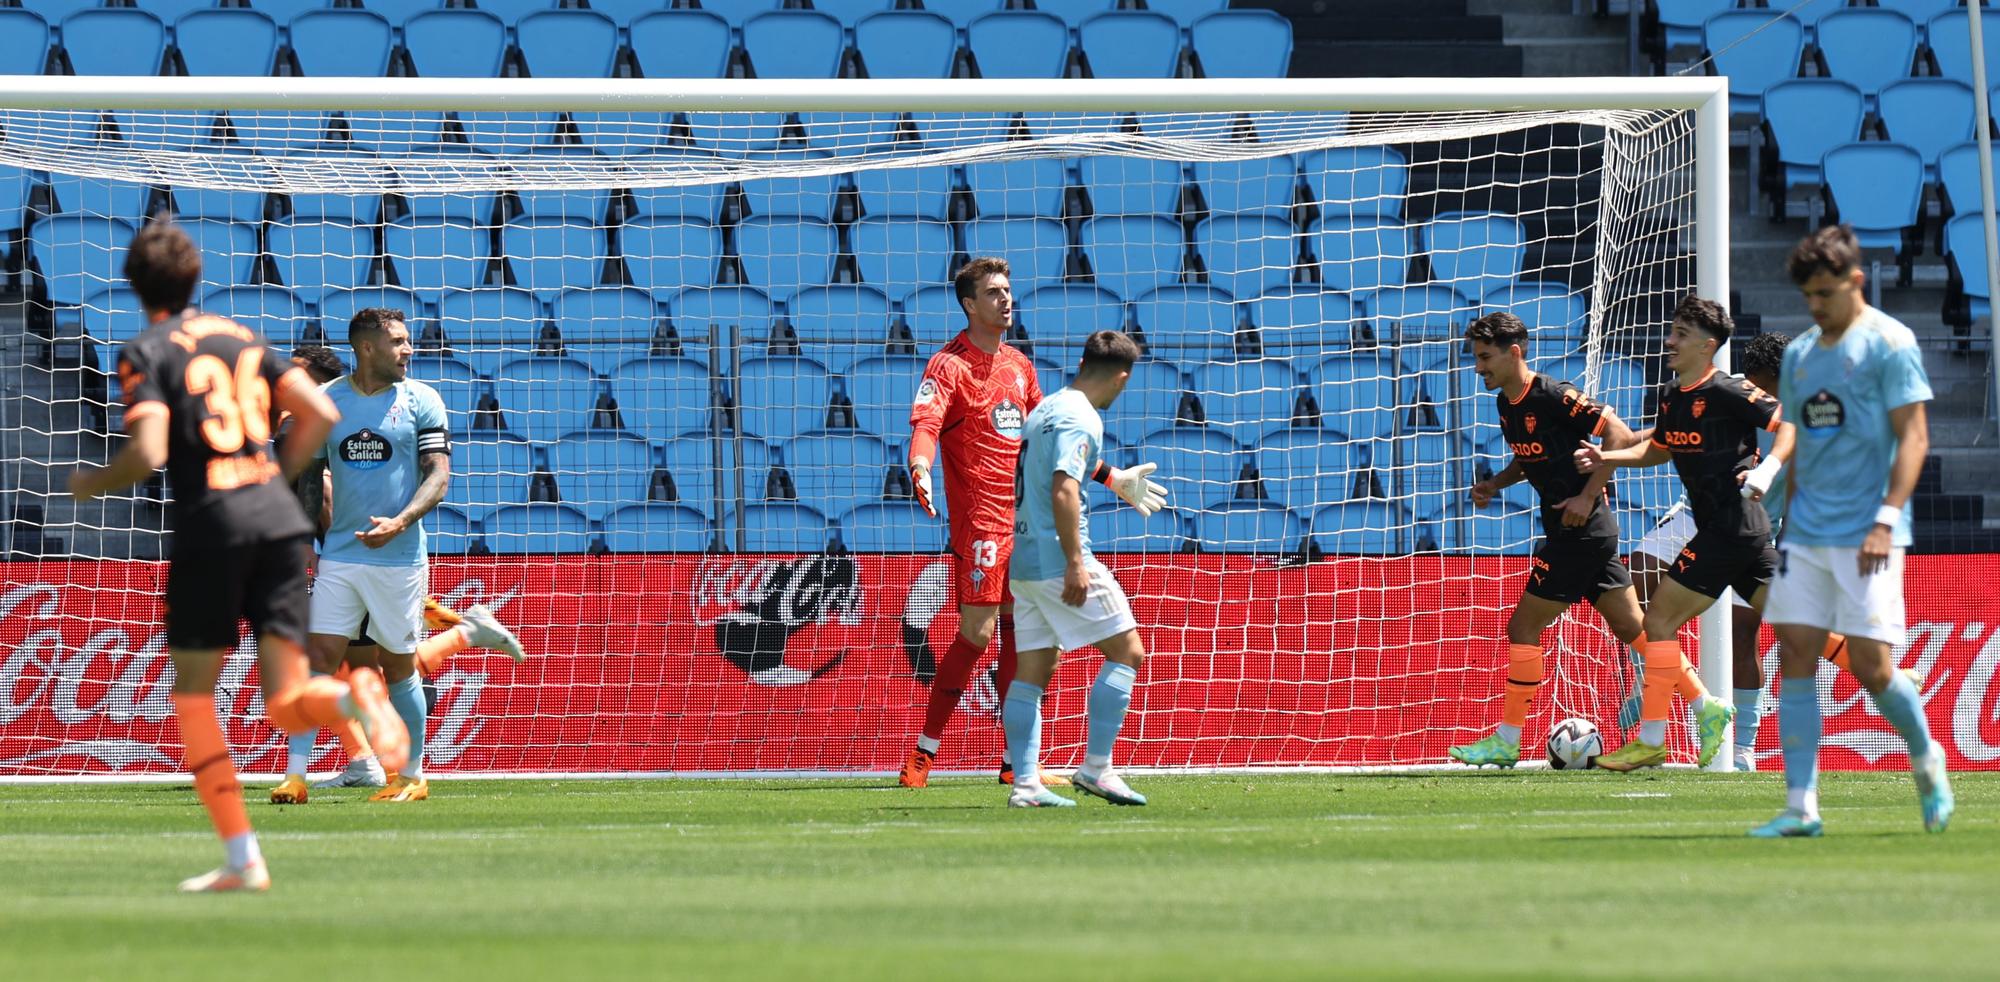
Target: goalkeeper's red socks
953 674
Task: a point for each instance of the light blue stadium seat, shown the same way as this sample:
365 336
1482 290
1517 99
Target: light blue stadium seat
906 44
1075 12
1151 399
112 317
845 323
219 42
794 44
459 386
1950 40
1243 44
599 470
606 326
1019 44
1475 252
690 462
1306 468
910 192
1958 178
851 12
1247 399
1198 466
696 202
24 42
338 307
1420 313
1186 12
1361 528
681 44
1559 365
539 528
656 526
618 134
1755 49
514 11
698 310
1246 255
891 527
836 471
1929 115
1035 248
962 13
1681 20
934 315
945 131
626 12
1131 185
342 42
236 206
78 254
549 255
1868 48
1625 384
736 132
543 397
1303 321
1807 117
1357 395
1058 318
1879 189
1362 254
660 398
780 397
1357 181
781 526
448 532
283 11
806 197
1920 11
272 311
88 196
1185 324
1965 242
15 184
114 41
1550 309
455 43
587 207
783 255
1261 186
881 389
1426 474
1017 188
666 254
1042 125
1512 526
434 255
355 209
897 255
1131 44
1116 528
1131 254
1249 526
228 249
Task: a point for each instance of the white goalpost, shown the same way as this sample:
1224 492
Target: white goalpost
678 325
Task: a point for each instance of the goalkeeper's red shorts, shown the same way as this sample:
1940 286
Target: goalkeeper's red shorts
979 568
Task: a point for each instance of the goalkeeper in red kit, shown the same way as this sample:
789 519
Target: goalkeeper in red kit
975 396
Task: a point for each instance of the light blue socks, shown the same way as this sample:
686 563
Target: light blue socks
299 748
1903 707
1110 697
1021 718
408 698
1799 726
1746 717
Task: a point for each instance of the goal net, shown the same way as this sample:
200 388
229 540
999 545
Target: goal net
678 350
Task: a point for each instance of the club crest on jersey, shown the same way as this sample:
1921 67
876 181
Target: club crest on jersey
1008 419
366 450
926 392
1700 406
1531 423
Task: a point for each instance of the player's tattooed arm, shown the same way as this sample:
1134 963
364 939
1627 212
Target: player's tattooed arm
436 471
311 488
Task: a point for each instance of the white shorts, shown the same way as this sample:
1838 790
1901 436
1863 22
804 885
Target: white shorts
1665 540
1821 586
391 597
1042 620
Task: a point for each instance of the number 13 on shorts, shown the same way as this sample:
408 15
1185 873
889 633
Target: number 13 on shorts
979 571
985 553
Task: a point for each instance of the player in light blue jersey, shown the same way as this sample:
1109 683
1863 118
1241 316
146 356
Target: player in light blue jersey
1853 387
1063 597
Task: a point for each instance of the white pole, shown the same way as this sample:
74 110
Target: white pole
1711 278
1982 112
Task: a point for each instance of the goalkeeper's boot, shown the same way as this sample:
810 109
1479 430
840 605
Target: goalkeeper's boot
256 878
1038 797
1109 786
1933 789
1632 756
290 791
917 769
1491 750
1050 779
402 788
363 773
488 632
1790 824
1746 759
1711 722
439 617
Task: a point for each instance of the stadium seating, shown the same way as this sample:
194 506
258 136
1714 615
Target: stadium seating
681 44
1130 44
235 206
448 532
1511 526
458 386
1246 255
668 253
228 249
114 41
1475 253
1355 182
455 43
1929 115
897 255
537 528
111 317
1681 20
836 471
1419 313
701 312
1551 310
906 44
1965 242
543 397
804 197
342 42
1246 399
24 42
1185 324
216 42
1035 248
1920 11
1131 254
1629 385
1361 528
1304 468
1116 528
337 307
1019 44
1260 186
1302 321
699 202
781 526
433 255
689 460
910 192
1756 51
1867 48
881 389
1199 467
1361 254
1958 179
1152 397
119 200
1249 526
1806 117
1131 186
1949 38
782 397
548 255
77 254
597 471
488 470
794 44
1017 188
655 526
850 134
605 326
1357 395
963 12
1878 188
1243 44
568 43
841 324
659 398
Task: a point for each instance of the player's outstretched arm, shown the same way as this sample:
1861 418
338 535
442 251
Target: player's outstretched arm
1135 485
145 451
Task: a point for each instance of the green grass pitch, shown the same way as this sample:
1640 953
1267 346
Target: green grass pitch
1530 876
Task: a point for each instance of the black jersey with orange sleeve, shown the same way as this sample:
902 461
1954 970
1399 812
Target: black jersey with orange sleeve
1544 427
213 379
1711 429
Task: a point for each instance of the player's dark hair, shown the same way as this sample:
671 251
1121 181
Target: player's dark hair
320 362
163 265
966 281
1832 249
1107 353
1762 354
372 321
1499 329
1706 316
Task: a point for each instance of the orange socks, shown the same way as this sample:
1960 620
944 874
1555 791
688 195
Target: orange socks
305 704
1665 670
208 760
1836 652
1524 676
434 650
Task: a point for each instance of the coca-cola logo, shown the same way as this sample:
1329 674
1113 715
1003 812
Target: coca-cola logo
756 606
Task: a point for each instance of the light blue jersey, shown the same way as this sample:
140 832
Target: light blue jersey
1774 498
372 453
1063 435
1839 399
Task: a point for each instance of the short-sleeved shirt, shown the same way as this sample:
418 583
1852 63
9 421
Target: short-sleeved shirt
1838 397
372 453
1711 430
1065 436
975 404
1544 428
214 380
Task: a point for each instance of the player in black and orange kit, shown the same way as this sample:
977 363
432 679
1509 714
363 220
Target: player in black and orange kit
1544 422
976 393
199 391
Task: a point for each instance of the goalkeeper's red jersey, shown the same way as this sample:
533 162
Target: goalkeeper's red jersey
972 406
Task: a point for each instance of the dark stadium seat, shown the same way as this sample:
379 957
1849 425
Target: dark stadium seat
458 385
1185 324
911 192
835 471
1198 466
1151 399
228 249
543 397
490 325
1357 395
891 527
539 528
1019 44
698 309
217 42
438 254
337 307
1755 49
1868 48
272 311
881 389
455 43
1262 186
807 197
1362 528
1131 44
963 12
782 526
114 41
1356 181
1879 189
78 254
1929 115
448 532
342 42
897 255
906 44
1550 309
1131 254
1116 528
599 470
841 324
604 327
1965 243
935 316
24 42
548 255
1362 254
656 526
1246 254
1017 188
779 397
1249 526
1131 185
1305 468
666 254
794 44
1475 252
1246 399
1243 44
1303 321
660 398
1035 248
681 44
1950 41
783 255
1806 118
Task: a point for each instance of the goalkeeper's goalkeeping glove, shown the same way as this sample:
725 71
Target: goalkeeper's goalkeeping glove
1144 495
920 484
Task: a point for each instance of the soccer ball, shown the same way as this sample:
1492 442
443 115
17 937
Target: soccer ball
1573 744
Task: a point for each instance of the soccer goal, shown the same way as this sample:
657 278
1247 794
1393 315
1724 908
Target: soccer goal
678 326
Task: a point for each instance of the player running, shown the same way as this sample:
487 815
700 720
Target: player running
1067 599
199 391
1544 422
1854 388
975 393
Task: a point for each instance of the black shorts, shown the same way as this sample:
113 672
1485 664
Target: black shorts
210 590
1712 562
1569 568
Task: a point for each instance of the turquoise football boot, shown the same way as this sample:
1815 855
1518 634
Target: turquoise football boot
1491 750
1934 789
1108 786
1038 798
1790 824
